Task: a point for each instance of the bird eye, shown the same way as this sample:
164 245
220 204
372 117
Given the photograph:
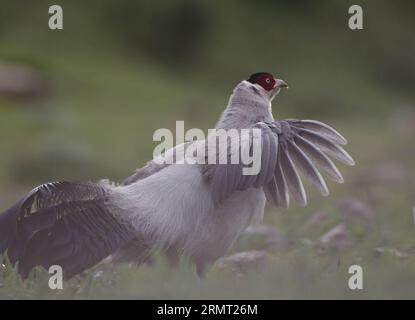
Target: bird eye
267 80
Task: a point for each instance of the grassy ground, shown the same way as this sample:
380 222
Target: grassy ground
383 179
107 101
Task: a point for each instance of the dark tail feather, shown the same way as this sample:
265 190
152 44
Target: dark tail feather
62 223
8 226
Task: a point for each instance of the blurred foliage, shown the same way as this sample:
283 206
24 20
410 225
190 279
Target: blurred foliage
171 32
121 69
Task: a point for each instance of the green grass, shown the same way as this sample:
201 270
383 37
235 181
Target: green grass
109 95
300 271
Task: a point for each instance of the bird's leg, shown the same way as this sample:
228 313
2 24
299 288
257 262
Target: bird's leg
200 270
172 256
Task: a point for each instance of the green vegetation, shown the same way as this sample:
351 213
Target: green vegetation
117 72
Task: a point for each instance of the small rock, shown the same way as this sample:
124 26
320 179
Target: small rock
98 274
17 81
393 252
315 220
307 242
247 260
336 238
355 210
404 121
261 236
390 172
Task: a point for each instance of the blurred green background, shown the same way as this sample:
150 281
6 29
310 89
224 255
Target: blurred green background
82 103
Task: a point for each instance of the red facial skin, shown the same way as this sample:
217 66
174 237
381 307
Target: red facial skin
266 81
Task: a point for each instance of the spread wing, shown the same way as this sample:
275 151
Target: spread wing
287 148
172 155
64 223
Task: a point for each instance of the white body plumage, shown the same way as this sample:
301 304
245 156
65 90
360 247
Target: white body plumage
191 209
174 206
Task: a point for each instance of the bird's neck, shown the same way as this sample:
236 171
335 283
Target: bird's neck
244 110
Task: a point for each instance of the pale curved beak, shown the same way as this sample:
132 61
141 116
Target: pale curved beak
280 84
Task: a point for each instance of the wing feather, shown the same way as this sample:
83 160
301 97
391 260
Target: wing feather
265 161
321 128
327 146
320 158
286 147
282 194
58 222
307 168
294 182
